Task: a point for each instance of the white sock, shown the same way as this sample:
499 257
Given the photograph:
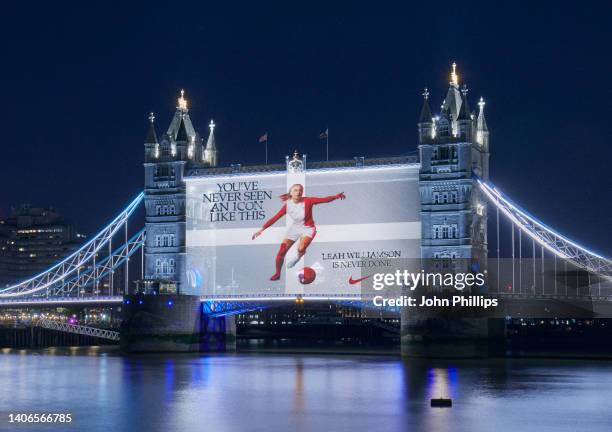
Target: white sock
292 262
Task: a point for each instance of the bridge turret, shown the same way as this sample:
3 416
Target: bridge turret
464 120
166 165
165 170
425 124
453 215
183 144
172 321
452 102
181 115
482 131
151 143
209 156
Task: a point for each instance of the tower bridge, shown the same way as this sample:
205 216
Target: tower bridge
185 273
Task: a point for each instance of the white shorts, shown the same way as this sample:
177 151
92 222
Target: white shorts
295 232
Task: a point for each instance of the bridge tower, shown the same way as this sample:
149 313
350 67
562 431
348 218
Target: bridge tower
163 315
453 147
166 163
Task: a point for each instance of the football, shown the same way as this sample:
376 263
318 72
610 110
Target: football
307 276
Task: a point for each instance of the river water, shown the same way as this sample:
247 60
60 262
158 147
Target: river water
105 391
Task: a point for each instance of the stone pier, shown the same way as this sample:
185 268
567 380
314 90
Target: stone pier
173 323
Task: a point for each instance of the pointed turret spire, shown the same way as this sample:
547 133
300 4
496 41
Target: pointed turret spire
481 125
426 123
181 135
151 135
181 115
426 116
151 143
182 102
454 78
452 101
482 131
210 152
464 119
210 144
464 112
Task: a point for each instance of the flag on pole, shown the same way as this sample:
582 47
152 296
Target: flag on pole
264 139
325 136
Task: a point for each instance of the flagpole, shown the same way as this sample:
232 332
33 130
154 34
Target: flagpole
327 143
267 137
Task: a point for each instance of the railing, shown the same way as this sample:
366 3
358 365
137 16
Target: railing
41 301
545 236
79 329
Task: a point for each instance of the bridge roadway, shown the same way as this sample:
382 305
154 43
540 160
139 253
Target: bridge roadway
510 305
110 300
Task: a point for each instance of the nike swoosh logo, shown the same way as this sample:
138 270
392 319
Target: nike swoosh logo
354 281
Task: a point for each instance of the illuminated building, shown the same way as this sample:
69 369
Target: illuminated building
453 149
167 161
31 240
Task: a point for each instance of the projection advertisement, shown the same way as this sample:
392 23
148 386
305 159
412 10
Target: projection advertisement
312 233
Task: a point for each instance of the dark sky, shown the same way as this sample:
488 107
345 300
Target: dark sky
78 81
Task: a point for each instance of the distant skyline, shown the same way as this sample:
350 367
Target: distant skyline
79 82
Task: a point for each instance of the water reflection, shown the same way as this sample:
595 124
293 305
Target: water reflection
441 383
273 392
298 404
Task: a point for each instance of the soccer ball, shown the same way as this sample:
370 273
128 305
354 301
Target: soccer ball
307 276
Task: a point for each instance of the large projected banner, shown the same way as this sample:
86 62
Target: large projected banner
311 233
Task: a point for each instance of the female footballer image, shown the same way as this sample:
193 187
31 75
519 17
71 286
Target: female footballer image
302 229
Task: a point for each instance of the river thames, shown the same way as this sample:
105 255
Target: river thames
104 391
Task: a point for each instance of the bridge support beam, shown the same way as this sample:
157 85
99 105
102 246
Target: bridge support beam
173 323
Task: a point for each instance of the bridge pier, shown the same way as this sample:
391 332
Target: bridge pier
449 336
173 323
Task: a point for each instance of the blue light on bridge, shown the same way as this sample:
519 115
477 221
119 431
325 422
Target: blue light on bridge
140 302
170 303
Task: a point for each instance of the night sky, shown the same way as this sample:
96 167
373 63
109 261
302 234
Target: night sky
77 83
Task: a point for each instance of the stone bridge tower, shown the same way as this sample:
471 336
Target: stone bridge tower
454 149
166 163
162 315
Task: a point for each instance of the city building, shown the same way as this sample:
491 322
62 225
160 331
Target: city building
31 240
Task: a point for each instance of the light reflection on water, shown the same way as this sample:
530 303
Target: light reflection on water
281 392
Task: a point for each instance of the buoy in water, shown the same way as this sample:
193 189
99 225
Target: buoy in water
441 403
